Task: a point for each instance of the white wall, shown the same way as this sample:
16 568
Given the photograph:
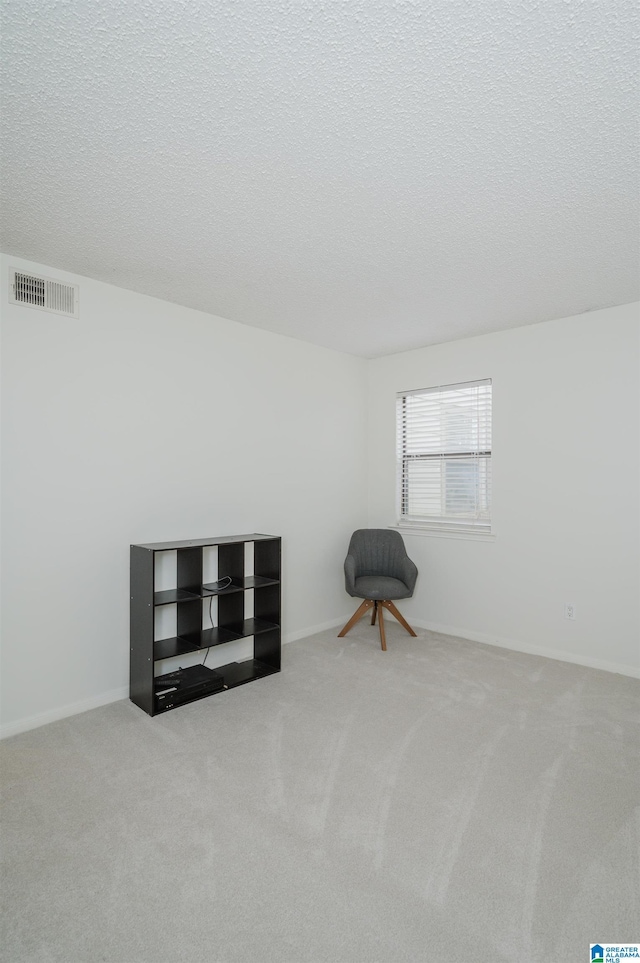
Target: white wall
145 421
566 489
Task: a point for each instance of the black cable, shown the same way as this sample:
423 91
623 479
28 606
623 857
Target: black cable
227 582
211 620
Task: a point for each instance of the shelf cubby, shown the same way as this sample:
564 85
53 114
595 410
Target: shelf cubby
169 596
170 648
217 636
237 673
249 627
211 589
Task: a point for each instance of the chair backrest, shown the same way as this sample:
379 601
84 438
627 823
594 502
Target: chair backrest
377 551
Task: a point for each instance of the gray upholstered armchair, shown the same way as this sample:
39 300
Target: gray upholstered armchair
378 569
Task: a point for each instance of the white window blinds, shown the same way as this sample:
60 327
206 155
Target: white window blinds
444 457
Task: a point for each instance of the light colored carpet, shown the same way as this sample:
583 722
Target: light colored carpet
441 801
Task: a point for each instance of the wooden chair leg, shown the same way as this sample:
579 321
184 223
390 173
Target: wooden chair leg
366 605
383 640
377 606
403 622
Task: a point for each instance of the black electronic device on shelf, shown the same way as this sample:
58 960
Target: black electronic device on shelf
185 685
157 693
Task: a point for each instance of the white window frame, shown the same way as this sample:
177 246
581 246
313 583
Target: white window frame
423 440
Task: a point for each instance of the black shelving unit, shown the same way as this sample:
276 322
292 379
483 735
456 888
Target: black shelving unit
187 596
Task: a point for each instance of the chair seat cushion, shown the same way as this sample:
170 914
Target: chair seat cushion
380 587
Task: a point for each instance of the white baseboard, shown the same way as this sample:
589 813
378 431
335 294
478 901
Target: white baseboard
63 712
314 629
560 655
74 708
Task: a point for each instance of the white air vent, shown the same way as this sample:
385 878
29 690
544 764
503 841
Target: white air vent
46 294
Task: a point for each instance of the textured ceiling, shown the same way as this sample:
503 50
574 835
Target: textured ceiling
368 175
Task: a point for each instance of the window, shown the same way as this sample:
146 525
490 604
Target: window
444 457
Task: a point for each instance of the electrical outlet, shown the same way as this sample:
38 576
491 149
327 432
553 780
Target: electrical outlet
569 610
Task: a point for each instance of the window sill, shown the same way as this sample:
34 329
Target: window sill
425 530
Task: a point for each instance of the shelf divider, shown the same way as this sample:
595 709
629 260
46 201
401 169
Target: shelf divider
168 648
